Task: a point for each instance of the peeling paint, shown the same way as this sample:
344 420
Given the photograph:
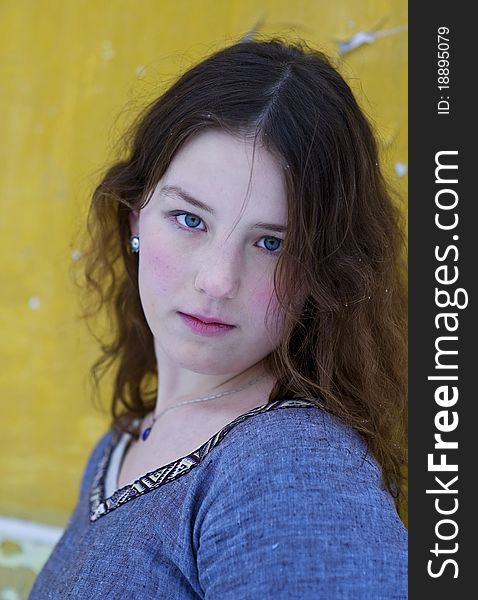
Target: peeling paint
9 547
140 70
367 37
34 302
400 169
251 34
25 544
9 593
107 50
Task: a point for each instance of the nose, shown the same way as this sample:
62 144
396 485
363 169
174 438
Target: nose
219 273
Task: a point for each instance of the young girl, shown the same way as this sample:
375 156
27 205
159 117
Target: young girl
251 262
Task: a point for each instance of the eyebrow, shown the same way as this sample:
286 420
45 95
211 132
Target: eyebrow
175 191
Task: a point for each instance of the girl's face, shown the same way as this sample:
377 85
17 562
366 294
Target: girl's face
200 256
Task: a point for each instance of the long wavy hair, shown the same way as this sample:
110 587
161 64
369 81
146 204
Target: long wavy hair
345 342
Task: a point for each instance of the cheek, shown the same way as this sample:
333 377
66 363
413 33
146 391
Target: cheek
158 268
260 297
274 325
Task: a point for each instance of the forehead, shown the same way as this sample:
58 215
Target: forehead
218 168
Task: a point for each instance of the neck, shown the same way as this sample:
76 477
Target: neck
210 418
228 396
176 387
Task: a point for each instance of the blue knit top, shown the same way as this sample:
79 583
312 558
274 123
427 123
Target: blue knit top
284 502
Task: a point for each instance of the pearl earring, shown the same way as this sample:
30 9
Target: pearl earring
134 243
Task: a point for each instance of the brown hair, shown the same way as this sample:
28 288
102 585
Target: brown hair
344 248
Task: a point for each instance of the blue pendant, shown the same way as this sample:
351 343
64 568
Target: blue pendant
146 432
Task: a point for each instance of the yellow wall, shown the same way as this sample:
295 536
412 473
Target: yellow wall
72 74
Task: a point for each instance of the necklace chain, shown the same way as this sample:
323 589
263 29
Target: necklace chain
147 431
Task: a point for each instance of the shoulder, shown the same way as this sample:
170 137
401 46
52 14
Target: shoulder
291 435
301 456
298 482
304 457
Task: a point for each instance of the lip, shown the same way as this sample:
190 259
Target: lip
200 327
208 320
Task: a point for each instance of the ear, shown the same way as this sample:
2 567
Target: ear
134 222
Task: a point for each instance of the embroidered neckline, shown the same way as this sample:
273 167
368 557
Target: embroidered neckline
99 505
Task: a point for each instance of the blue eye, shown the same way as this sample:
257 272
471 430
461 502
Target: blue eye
191 221
272 244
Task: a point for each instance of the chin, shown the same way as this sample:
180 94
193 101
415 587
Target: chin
198 359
